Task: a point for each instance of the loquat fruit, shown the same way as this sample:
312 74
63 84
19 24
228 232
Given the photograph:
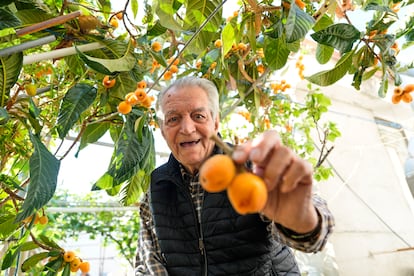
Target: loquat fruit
124 107
217 172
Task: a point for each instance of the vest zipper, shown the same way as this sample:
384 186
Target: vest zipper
201 241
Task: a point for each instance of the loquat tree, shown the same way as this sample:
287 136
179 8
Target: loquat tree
84 69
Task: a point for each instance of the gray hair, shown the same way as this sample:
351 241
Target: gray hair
208 86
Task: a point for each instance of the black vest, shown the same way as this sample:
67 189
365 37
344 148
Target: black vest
224 243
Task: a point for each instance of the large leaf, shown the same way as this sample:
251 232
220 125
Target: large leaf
276 53
341 36
44 169
92 133
33 260
109 66
132 150
324 53
298 24
165 11
10 67
8 19
329 77
77 100
197 12
32 16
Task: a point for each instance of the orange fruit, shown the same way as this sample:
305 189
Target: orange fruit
156 46
108 83
69 256
396 98
247 193
407 98
217 172
141 94
168 75
409 88
114 22
84 267
131 98
43 220
74 264
119 15
218 43
142 84
174 68
124 107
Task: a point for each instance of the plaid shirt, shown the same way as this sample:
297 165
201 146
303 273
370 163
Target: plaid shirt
149 259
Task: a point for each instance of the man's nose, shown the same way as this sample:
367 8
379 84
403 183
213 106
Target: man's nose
187 125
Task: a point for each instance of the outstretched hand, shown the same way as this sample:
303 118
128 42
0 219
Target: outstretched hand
288 179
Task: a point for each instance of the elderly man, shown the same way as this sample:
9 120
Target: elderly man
186 230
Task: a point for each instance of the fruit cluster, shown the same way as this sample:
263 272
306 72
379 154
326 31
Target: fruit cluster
281 86
75 262
38 219
138 97
246 191
403 94
301 67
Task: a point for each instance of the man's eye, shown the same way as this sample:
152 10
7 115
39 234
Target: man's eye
199 117
172 120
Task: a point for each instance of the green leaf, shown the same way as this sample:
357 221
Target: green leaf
32 16
10 256
324 53
8 19
7 226
134 7
49 242
165 11
33 260
131 191
66 270
30 245
130 154
130 151
10 67
275 52
109 66
341 36
298 23
197 12
227 37
93 133
54 266
4 116
328 77
44 169
77 100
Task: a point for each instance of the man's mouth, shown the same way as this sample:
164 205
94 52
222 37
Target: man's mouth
190 143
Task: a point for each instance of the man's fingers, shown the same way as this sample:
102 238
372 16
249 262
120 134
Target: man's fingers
299 172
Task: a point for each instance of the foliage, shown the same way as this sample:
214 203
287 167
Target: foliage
257 43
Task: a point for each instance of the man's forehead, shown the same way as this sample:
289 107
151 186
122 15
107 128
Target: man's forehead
186 109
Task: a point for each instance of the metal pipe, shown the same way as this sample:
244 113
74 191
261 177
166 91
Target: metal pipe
48 23
26 45
90 209
61 53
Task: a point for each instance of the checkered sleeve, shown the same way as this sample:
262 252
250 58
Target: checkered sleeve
314 241
148 258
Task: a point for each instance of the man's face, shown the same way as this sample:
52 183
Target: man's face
188 125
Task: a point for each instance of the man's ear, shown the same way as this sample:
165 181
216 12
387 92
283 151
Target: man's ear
216 123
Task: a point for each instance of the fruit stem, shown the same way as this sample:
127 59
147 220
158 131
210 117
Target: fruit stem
225 147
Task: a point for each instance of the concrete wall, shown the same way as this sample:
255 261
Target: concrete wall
369 194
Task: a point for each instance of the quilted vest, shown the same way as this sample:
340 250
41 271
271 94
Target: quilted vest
223 243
